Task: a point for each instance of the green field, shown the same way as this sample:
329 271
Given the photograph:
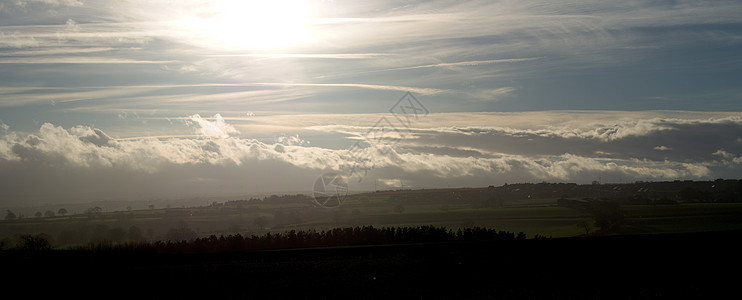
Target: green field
541 216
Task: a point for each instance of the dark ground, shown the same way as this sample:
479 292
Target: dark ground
695 266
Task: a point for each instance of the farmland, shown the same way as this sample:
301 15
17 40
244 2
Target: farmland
658 247
535 213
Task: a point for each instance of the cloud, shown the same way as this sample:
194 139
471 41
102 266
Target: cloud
728 159
468 63
623 138
293 140
51 2
307 55
82 161
78 60
418 90
216 128
57 51
471 52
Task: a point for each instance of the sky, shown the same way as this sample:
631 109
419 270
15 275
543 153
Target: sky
131 100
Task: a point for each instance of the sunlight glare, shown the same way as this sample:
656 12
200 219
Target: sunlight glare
257 25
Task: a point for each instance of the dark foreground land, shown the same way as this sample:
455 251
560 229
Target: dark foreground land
693 265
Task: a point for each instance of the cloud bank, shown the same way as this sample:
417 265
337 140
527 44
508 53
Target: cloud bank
81 162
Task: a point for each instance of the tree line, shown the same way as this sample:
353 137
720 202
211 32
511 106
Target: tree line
347 236
10 215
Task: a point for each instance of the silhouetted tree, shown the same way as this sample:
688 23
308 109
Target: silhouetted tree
10 215
62 211
29 242
5 242
38 214
585 225
151 206
49 214
93 211
183 240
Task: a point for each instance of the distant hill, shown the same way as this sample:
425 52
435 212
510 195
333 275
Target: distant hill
719 191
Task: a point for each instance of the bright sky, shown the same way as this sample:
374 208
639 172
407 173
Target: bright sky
149 99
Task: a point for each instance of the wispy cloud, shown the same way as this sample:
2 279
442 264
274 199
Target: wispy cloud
419 90
306 55
468 63
78 60
57 51
95 61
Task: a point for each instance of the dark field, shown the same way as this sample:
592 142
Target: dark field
655 249
623 267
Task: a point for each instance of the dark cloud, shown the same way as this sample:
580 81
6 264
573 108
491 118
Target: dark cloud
690 140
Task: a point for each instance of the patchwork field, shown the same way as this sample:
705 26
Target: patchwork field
451 208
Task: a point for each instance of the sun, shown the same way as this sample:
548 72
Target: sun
267 25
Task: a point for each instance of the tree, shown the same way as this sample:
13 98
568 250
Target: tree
5 242
62 211
585 225
49 214
28 242
151 206
93 211
10 215
38 214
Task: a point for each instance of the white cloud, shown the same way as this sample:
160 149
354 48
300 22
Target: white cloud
459 156
78 60
216 128
418 90
728 158
292 140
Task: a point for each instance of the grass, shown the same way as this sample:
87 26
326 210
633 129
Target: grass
531 216
691 217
